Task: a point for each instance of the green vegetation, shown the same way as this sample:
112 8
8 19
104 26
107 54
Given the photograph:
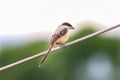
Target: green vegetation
76 62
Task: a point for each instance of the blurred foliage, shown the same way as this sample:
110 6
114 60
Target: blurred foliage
67 64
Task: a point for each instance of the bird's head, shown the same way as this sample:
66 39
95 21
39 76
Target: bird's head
68 24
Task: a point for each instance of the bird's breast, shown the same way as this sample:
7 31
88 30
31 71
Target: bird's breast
62 39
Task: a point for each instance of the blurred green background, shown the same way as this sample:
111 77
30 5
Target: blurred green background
97 58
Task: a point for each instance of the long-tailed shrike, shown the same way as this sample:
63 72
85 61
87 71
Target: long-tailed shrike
59 37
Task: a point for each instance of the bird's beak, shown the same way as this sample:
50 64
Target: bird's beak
72 28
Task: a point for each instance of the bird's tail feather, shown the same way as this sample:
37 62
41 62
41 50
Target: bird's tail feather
46 54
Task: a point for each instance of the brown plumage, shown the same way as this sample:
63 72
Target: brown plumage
59 37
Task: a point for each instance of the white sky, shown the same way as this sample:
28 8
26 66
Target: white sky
28 16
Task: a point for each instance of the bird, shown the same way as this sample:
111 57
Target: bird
60 36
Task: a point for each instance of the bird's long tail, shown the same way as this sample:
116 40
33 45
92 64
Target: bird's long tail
46 54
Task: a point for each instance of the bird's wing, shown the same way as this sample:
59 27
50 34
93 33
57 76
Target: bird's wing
58 34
